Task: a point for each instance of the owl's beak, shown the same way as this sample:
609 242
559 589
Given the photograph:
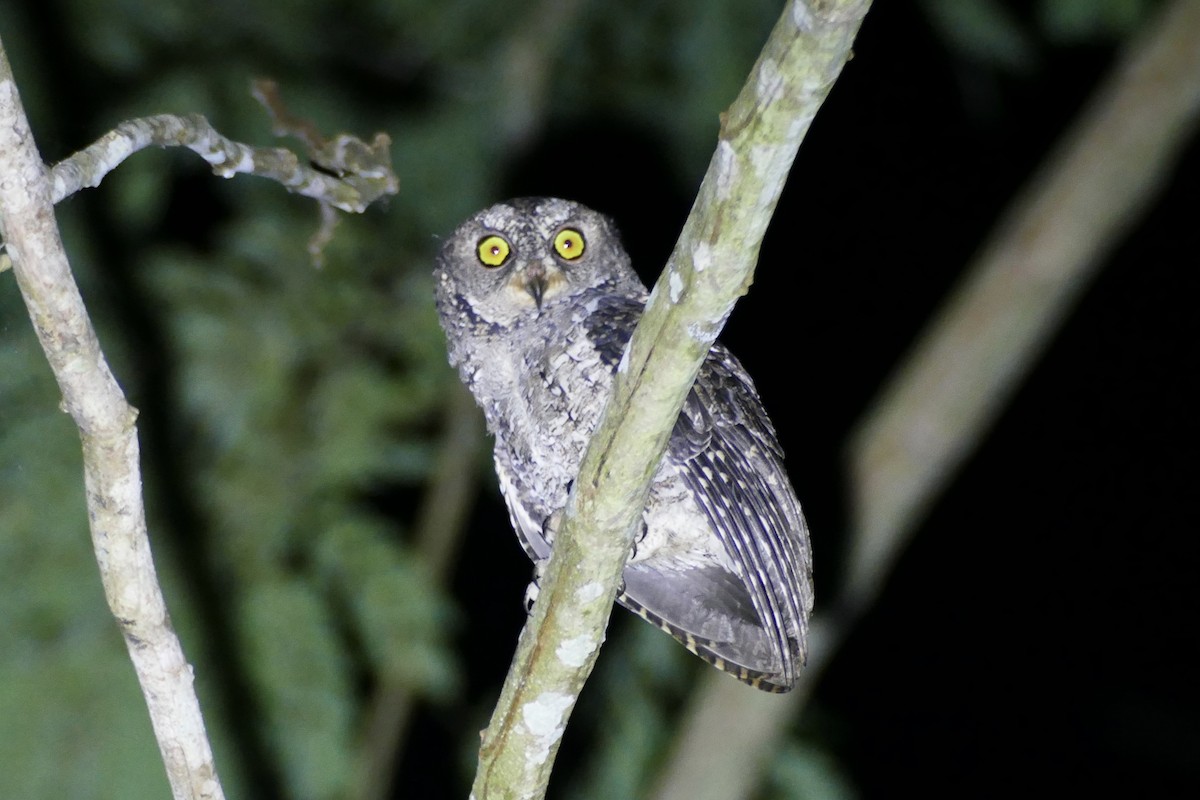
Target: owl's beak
535 280
536 286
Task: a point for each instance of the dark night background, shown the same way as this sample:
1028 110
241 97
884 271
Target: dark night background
1034 636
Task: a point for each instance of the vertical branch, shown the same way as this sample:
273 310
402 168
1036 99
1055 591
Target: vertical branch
112 476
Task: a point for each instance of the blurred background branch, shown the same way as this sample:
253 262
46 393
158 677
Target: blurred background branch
1093 187
948 390
440 525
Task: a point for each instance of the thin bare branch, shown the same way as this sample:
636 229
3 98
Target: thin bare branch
283 121
323 235
352 174
110 452
711 266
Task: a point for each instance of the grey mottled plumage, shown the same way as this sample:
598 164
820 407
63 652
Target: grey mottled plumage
538 299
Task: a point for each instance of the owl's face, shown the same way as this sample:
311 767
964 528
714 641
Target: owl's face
523 257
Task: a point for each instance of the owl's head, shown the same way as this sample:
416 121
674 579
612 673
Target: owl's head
525 256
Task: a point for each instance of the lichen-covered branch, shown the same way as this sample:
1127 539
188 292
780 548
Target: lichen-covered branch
943 397
110 452
712 265
352 174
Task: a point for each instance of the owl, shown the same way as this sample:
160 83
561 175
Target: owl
538 301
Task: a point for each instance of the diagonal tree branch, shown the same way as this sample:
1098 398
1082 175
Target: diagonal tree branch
711 266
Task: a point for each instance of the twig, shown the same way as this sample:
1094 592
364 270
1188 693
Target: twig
323 235
284 122
365 166
711 266
105 420
943 397
355 173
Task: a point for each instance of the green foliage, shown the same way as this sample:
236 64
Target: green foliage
391 605
305 389
985 29
72 719
302 682
299 393
991 32
670 67
1085 20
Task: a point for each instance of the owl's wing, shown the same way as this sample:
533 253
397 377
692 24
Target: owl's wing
725 448
753 623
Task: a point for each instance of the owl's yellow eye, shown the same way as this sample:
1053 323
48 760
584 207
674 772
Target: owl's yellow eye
493 250
569 244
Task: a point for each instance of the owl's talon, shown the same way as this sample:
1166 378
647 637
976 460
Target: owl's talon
551 525
535 586
531 595
634 547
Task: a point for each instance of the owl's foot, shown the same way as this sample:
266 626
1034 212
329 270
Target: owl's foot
551 525
535 586
636 541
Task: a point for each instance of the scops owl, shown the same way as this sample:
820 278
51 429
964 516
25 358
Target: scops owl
538 300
